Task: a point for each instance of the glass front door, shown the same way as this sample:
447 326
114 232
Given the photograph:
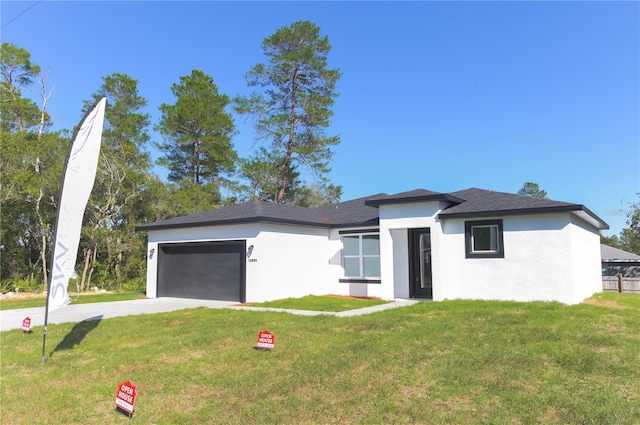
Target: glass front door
421 280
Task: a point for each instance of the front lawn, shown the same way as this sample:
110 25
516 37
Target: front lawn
332 303
452 362
40 300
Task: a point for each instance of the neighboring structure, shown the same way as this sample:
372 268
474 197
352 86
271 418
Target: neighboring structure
470 244
616 262
620 270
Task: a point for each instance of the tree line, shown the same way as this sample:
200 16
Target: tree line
629 238
294 90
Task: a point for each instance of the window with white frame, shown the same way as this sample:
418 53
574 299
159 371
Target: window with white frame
361 255
483 239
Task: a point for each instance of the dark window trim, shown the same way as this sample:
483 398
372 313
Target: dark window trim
360 281
468 244
358 232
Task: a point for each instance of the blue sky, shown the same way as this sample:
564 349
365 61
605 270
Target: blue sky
436 95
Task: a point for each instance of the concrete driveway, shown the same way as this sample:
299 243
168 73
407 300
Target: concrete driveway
12 319
75 313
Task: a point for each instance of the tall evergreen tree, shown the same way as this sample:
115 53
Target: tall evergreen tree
197 132
124 170
293 109
264 171
197 146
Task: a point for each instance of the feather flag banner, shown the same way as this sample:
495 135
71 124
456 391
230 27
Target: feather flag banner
78 177
77 183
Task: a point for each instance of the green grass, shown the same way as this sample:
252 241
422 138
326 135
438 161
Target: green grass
321 303
40 301
624 299
453 362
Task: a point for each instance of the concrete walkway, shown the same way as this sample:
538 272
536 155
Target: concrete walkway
12 319
367 310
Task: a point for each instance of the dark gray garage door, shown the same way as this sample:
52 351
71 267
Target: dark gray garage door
202 270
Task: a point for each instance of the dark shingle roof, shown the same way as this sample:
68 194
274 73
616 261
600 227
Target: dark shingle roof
484 203
480 201
417 195
343 214
249 212
364 211
352 213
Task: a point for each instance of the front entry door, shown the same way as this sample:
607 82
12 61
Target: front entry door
421 281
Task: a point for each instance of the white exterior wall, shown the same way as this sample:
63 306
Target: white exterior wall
587 260
536 264
290 261
394 244
546 258
286 261
551 257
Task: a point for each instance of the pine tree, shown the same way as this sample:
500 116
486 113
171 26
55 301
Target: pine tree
293 109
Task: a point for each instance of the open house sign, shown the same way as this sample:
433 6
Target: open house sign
266 340
126 397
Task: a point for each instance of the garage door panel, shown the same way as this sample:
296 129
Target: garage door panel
205 270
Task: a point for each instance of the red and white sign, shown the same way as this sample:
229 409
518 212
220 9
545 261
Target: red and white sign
266 340
26 325
126 397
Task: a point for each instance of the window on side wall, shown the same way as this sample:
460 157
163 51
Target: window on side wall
361 256
483 239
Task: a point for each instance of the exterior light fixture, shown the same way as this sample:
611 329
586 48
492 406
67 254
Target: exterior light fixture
151 251
249 251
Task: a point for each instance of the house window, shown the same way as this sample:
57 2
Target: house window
483 239
361 256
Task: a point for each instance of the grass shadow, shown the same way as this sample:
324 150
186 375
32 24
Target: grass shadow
78 333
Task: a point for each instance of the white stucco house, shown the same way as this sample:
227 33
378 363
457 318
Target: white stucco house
469 244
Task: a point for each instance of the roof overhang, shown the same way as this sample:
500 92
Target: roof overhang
370 223
579 211
586 215
442 197
249 220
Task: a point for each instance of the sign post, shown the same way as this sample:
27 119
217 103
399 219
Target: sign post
26 325
126 397
266 340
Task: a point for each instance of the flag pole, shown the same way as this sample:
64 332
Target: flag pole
83 154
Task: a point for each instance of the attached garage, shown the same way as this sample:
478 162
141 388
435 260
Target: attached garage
202 270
